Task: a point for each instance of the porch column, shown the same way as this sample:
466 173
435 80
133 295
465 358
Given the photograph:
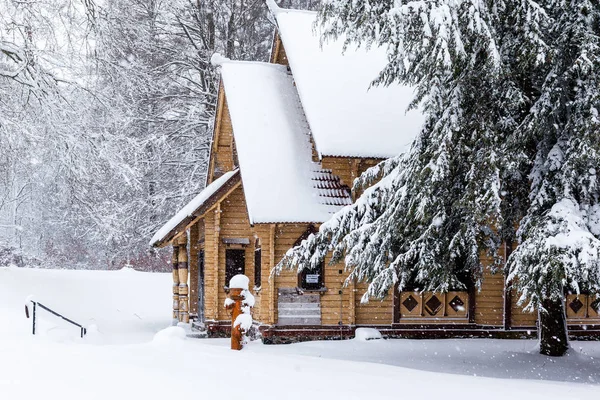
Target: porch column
174 263
182 268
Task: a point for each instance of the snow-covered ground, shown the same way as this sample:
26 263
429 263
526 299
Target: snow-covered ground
123 357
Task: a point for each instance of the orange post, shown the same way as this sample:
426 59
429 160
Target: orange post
235 305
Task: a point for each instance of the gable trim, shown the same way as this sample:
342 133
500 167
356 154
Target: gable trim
213 200
216 132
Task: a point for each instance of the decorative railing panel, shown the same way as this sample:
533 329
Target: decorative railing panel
433 305
582 307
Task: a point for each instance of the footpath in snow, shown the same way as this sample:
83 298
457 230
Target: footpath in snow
128 353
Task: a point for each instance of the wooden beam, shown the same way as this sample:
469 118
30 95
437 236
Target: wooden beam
507 315
182 267
397 313
216 266
174 265
275 46
352 286
216 132
471 296
193 265
353 175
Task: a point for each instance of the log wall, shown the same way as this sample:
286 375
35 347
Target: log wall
234 224
221 159
193 266
348 168
376 311
278 55
211 248
519 317
489 301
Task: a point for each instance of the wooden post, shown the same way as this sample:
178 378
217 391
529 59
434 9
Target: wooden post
397 311
352 298
174 263
507 289
471 296
193 267
236 309
352 286
216 267
182 267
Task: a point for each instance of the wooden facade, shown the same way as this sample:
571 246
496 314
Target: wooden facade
220 236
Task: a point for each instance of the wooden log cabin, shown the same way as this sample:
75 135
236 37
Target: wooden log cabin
289 138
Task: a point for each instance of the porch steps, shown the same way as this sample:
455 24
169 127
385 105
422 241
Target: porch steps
296 308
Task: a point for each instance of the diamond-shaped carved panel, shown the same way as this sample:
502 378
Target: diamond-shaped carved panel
576 305
433 305
457 304
596 305
410 303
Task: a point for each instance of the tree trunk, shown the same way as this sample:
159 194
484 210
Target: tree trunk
553 328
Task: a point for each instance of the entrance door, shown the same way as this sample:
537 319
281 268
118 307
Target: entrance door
201 313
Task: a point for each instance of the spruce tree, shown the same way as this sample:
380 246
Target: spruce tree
509 89
559 235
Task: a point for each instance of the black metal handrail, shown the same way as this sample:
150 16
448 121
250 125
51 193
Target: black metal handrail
82 329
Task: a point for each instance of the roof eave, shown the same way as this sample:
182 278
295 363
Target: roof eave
200 212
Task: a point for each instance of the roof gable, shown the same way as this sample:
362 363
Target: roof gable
281 182
347 117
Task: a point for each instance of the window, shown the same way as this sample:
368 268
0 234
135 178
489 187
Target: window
312 279
235 261
257 268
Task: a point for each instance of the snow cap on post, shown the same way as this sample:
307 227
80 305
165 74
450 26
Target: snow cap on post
239 282
217 60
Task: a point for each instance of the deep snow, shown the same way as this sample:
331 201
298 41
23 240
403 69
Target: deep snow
129 353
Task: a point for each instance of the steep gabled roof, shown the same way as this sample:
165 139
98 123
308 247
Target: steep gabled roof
281 182
195 208
346 117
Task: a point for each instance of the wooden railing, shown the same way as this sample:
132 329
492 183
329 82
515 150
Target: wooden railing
36 304
582 307
433 305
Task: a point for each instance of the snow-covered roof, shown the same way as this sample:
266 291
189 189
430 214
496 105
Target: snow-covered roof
346 117
186 214
281 182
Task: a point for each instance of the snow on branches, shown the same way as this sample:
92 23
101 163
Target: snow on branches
510 91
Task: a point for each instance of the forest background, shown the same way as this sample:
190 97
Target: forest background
106 113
